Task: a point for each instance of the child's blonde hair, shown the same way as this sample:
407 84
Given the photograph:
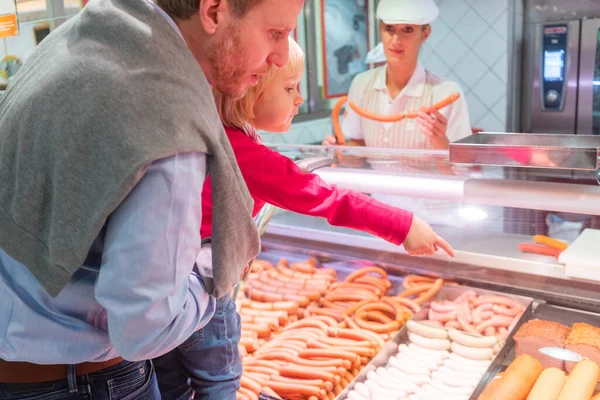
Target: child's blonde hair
239 113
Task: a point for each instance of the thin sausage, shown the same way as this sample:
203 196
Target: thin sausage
270 392
441 317
501 310
248 393
439 307
301 372
496 321
367 270
437 285
307 322
477 312
496 300
250 384
335 120
548 241
415 290
330 353
399 117
413 305
284 389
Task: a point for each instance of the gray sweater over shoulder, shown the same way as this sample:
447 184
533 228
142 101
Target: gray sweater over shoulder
106 94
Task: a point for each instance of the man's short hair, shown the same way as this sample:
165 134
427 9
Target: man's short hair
185 9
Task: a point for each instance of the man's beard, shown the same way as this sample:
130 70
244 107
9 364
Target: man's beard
227 65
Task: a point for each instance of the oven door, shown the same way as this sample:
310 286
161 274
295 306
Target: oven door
588 110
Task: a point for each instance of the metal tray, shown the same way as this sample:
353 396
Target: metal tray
449 292
563 315
572 152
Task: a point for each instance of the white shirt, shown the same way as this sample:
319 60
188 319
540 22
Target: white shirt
369 91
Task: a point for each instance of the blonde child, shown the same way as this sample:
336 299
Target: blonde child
275 179
210 357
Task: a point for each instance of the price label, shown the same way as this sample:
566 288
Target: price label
9 24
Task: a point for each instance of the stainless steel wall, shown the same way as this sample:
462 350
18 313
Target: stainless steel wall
536 11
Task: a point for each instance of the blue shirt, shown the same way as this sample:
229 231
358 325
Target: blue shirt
136 295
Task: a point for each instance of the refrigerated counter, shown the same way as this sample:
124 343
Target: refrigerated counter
483 212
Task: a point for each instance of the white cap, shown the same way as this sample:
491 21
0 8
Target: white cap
376 55
412 12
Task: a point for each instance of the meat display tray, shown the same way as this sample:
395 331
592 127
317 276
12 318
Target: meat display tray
563 315
448 292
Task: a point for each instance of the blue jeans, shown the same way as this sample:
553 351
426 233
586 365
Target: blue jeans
209 358
124 381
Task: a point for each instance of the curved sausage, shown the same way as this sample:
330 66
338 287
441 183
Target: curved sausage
426 331
472 340
428 343
472 353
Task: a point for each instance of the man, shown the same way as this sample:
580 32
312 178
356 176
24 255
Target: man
106 135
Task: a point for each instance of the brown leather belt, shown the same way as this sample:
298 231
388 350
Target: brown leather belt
23 372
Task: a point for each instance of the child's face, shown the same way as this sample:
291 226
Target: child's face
279 103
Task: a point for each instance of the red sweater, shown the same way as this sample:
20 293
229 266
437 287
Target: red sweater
275 179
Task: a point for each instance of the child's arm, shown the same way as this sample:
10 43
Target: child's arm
277 180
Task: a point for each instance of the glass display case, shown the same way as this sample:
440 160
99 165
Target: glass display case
484 212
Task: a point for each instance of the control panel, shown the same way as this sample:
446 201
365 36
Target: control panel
554 65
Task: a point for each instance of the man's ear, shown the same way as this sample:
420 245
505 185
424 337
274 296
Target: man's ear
213 13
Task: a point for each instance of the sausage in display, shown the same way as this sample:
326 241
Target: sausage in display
472 340
549 385
581 382
428 343
517 381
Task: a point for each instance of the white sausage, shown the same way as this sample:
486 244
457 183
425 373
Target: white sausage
497 347
458 366
463 391
361 388
375 388
426 330
478 363
461 376
427 354
408 368
470 340
402 347
429 393
405 386
472 353
455 380
442 353
354 395
416 379
431 365
428 343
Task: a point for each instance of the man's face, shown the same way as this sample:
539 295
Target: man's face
242 50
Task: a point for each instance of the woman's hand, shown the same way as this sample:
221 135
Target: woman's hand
329 141
423 241
434 125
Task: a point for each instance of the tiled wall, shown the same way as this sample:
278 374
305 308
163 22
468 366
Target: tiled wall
469 44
